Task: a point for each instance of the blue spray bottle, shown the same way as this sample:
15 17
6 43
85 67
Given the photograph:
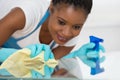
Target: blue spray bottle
97 69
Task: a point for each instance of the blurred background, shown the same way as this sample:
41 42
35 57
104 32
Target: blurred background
104 22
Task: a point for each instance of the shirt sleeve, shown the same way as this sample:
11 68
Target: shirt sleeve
34 10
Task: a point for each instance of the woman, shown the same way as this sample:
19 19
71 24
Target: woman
56 23
63 23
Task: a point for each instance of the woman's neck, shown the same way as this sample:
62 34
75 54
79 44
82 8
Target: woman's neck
44 35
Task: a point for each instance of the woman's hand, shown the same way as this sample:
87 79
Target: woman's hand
60 72
86 53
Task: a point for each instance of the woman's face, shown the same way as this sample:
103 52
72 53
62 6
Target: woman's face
65 23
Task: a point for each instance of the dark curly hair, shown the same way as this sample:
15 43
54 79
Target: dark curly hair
84 4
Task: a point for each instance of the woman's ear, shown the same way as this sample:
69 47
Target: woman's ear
51 8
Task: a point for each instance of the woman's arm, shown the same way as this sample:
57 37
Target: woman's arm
61 51
13 21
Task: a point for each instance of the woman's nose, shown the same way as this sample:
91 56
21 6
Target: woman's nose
67 32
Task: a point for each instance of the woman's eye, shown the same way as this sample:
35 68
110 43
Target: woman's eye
77 27
61 22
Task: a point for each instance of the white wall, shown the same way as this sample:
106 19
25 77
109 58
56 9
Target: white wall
104 22
105 13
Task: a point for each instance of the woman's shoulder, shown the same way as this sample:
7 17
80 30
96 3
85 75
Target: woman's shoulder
34 10
29 3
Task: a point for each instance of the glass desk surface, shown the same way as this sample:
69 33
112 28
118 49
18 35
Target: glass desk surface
57 78
53 78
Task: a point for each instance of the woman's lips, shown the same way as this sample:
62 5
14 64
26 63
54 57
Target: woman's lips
60 38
